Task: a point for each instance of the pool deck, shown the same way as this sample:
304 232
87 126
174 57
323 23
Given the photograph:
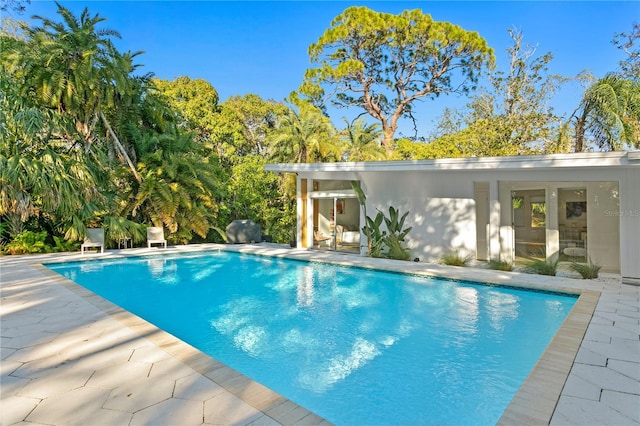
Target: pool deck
70 357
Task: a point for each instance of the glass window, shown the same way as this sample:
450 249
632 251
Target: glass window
538 214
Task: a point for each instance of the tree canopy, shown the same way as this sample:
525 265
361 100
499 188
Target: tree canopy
628 42
86 140
383 63
76 118
610 113
511 114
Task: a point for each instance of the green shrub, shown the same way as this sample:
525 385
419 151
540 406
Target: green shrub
375 234
4 229
29 242
454 258
501 265
388 243
394 240
3 242
588 271
36 242
64 245
542 267
396 250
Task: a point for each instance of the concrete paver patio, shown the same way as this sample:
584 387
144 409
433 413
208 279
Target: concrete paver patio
70 357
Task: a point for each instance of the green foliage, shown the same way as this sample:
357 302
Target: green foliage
588 271
117 227
304 137
243 126
542 267
454 258
222 234
253 193
84 141
64 245
29 242
383 243
383 63
388 243
4 226
376 236
510 116
73 68
538 215
37 181
178 186
610 113
36 242
397 232
362 142
445 147
195 101
500 265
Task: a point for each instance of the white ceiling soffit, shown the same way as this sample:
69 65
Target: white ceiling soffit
333 193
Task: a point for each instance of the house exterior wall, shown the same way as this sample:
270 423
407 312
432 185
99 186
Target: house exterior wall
442 202
442 215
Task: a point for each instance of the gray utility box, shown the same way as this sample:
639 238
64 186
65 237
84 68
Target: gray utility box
243 232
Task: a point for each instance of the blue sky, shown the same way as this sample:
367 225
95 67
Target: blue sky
261 47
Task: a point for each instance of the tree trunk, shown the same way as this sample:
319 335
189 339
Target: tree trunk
118 145
387 141
579 138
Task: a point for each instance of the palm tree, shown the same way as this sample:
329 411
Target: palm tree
363 141
610 113
74 68
60 187
39 176
304 137
178 187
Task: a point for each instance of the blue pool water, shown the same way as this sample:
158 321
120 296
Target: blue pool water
355 346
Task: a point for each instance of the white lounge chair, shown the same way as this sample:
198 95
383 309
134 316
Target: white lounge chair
94 238
155 235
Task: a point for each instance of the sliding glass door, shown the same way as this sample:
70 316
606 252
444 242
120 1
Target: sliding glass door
572 224
529 211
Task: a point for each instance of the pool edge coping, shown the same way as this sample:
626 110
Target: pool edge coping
262 398
533 403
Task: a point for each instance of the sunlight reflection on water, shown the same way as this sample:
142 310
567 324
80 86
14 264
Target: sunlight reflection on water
325 336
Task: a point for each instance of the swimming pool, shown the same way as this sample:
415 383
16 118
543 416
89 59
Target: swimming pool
355 346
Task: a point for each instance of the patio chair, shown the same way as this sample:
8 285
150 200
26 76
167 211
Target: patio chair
94 238
319 238
155 235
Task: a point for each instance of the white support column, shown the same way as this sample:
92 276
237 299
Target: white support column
629 214
494 220
309 220
299 211
507 238
552 233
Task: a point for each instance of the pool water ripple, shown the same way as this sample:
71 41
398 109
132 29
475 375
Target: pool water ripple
356 346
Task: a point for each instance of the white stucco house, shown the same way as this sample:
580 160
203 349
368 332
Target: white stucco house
576 206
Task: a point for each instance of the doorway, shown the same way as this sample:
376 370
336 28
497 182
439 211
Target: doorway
572 224
529 214
336 217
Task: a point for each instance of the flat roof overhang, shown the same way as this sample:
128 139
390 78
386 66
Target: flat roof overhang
553 161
